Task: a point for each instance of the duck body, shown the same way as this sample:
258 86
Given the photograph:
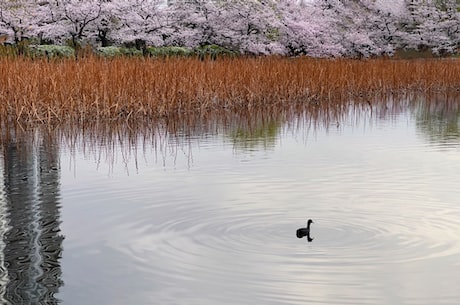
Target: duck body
302 232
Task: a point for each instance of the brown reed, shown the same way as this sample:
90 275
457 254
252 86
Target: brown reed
92 89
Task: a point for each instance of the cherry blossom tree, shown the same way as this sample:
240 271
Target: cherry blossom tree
367 33
247 26
319 28
108 23
430 24
50 25
308 30
379 19
139 21
357 28
81 18
193 23
254 26
76 20
17 19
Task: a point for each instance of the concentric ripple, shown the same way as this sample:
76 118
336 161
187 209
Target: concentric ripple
385 210
252 247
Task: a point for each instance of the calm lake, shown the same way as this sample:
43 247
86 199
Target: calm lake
205 211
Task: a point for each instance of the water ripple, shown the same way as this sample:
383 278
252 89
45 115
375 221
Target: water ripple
223 231
209 243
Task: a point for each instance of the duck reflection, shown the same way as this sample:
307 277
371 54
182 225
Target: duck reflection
30 239
305 232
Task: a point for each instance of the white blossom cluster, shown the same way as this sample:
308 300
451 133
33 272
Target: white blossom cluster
319 28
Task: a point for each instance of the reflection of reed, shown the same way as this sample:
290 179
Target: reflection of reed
247 129
257 128
131 89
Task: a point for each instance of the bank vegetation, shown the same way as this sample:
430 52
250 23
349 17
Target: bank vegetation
92 89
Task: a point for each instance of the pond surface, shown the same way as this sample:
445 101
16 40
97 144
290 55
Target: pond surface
208 215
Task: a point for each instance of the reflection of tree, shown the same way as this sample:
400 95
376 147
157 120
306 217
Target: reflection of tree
32 245
439 122
255 135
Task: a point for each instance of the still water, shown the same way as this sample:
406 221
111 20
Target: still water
207 214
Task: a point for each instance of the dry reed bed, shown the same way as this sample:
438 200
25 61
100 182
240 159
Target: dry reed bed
132 88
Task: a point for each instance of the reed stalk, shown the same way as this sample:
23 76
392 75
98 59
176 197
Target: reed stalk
92 89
